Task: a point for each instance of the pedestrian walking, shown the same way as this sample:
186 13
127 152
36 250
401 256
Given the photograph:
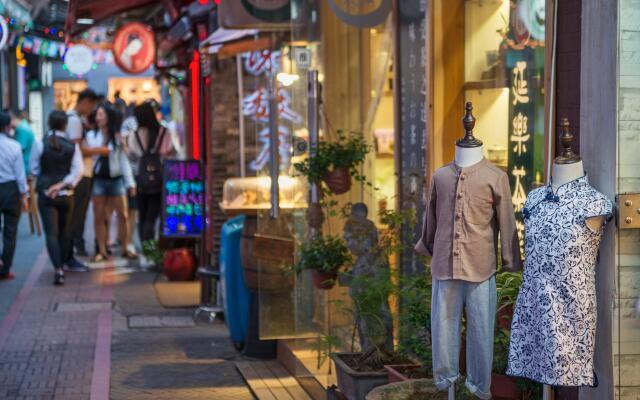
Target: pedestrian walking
149 144
56 162
112 179
76 131
13 193
23 134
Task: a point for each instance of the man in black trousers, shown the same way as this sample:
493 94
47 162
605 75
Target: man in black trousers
87 101
13 193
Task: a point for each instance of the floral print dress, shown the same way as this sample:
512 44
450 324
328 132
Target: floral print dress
554 323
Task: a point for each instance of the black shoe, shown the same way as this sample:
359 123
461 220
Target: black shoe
74 265
82 253
59 278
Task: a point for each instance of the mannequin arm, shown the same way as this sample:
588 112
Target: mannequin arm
595 223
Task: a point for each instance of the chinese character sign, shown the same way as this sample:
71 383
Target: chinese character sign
256 107
524 68
182 200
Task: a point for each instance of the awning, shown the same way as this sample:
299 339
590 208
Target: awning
227 43
82 14
221 36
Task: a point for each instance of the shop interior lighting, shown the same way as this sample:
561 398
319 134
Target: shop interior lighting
84 21
287 79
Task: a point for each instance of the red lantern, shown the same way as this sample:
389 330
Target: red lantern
179 264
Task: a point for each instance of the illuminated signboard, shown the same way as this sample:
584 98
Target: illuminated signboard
182 198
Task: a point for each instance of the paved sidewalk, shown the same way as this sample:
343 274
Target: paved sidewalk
73 342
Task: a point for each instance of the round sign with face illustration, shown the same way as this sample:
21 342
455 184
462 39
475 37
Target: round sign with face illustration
134 48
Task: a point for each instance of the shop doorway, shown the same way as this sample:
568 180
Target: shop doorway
133 90
65 93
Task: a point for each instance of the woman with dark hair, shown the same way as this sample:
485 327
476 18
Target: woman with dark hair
56 162
112 179
149 145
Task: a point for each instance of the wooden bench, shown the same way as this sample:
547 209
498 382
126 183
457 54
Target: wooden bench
270 381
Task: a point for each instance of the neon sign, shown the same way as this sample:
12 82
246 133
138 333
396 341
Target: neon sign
182 198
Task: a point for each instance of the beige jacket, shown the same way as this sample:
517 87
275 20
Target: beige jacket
466 209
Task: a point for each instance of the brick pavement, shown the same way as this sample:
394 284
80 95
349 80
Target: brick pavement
50 353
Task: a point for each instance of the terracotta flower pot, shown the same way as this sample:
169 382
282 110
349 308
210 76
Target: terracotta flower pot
504 387
179 264
353 384
339 180
324 280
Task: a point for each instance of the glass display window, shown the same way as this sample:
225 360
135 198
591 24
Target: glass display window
491 53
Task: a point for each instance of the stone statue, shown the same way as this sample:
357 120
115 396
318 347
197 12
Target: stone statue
361 236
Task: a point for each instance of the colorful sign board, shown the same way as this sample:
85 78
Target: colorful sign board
78 59
134 47
182 198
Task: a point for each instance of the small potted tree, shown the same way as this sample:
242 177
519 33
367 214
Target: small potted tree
359 372
336 163
323 256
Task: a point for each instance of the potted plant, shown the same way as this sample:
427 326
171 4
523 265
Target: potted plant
415 329
153 253
336 163
324 256
504 387
507 286
359 372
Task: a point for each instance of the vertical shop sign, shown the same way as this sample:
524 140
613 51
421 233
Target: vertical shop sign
182 197
524 67
256 107
411 57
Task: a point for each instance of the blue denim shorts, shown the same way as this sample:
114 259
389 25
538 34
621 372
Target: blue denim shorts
108 187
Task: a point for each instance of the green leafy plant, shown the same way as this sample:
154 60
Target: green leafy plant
151 249
414 293
507 286
349 151
324 345
323 253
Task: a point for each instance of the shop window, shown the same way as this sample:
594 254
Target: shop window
491 52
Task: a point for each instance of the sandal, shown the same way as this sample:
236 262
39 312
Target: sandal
100 258
130 255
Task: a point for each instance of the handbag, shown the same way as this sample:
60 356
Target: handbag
115 161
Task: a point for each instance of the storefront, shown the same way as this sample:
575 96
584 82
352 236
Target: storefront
402 83
356 68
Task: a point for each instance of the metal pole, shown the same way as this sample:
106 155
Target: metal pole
274 144
243 167
312 120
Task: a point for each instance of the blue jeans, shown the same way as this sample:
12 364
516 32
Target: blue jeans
449 298
110 187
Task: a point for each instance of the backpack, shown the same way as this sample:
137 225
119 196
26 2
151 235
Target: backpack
149 179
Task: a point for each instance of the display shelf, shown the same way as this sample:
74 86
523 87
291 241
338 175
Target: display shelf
486 84
244 195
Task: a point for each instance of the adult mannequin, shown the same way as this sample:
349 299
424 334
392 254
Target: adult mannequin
568 168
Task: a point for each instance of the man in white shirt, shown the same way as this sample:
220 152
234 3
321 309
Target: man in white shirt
13 193
87 102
